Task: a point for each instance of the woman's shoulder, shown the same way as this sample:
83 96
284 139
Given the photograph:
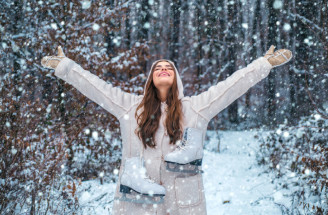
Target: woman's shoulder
137 100
186 99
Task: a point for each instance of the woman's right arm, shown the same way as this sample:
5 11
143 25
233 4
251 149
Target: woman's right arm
112 99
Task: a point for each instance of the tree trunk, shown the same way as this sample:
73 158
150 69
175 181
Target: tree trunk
272 75
232 56
174 45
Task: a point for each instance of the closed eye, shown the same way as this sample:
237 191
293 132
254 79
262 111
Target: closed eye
167 67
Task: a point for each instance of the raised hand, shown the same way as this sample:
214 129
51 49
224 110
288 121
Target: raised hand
51 62
279 57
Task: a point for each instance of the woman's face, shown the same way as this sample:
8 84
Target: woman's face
163 75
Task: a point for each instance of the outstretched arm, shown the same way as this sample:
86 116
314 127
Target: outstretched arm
112 99
218 97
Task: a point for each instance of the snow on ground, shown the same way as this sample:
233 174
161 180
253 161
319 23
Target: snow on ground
233 182
96 199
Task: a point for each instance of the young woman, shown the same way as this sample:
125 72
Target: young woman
154 123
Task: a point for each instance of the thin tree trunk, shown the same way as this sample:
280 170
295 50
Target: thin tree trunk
174 45
232 56
272 75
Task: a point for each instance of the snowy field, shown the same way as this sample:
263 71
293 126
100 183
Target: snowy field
233 181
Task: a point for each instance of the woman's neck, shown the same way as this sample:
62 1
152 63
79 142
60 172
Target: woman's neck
163 94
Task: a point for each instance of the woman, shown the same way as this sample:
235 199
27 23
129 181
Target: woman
152 124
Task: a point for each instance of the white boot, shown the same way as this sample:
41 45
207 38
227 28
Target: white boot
189 152
134 178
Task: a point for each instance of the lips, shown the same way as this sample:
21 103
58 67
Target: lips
163 74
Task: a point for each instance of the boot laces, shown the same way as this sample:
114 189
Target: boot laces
182 145
147 178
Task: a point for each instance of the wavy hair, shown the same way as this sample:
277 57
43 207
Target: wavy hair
148 120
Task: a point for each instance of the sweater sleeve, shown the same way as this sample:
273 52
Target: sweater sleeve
112 99
218 97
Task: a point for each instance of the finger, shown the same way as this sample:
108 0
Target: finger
287 53
44 60
271 49
60 51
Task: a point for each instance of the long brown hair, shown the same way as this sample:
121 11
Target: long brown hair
149 119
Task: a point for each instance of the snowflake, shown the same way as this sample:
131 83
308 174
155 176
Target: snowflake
287 27
54 26
317 116
244 25
278 131
95 135
95 27
277 4
86 4
146 25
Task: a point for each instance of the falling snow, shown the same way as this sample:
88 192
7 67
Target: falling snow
95 27
54 26
86 4
287 27
245 25
264 152
277 4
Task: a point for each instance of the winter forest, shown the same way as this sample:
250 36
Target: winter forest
266 153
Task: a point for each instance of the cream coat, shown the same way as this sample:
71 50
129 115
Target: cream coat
184 192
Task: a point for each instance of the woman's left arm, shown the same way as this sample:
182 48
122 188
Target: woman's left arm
218 97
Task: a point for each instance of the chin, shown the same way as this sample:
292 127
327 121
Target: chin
162 84
166 83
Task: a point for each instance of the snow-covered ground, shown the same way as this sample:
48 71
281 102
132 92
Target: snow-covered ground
232 179
234 183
